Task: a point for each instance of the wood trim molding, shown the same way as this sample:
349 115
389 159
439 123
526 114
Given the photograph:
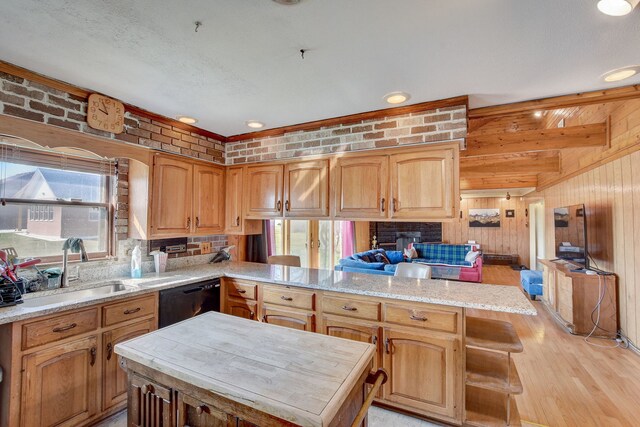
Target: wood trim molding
498 182
84 93
584 98
354 118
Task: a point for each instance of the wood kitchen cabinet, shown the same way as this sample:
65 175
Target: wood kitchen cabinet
114 379
424 372
348 329
306 189
208 199
150 404
172 196
234 215
241 308
263 192
60 384
304 321
359 187
423 184
195 413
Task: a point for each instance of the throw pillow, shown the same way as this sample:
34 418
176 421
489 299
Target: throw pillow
382 258
471 256
410 253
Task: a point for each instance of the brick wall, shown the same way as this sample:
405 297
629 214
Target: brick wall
33 101
427 127
386 231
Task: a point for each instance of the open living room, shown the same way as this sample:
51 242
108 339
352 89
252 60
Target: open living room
319 213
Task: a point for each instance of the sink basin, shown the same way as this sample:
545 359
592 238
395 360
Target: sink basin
76 296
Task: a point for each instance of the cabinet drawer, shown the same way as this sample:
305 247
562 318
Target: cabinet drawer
241 290
351 308
59 327
425 318
282 295
127 310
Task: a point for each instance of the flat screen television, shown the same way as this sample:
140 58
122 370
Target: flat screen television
571 234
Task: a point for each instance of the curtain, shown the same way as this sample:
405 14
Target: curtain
347 229
257 245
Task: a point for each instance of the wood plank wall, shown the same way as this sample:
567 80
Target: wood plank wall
511 238
611 195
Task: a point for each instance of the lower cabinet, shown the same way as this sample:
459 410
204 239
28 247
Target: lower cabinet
149 404
291 319
194 413
60 384
114 379
241 308
424 372
358 332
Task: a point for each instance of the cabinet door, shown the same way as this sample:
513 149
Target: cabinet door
359 187
194 413
423 184
171 199
60 384
233 220
149 404
208 201
290 319
114 379
347 329
306 189
263 192
423 372
241 308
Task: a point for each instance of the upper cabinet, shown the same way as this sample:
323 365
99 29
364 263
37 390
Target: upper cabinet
359 187
423 184
263 191
306 189
187 198
235 222
172 195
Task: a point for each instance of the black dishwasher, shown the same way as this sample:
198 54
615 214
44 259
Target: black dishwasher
187 301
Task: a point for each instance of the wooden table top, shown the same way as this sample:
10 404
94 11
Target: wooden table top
298 376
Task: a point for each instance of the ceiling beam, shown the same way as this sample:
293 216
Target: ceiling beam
585 98
510 164
593 135
502 182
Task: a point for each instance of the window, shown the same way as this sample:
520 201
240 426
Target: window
45 205
319 244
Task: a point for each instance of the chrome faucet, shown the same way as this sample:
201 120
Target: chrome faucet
75 245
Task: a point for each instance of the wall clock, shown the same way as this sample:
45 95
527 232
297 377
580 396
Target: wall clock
105 113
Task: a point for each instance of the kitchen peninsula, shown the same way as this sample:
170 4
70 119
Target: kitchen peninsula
419 329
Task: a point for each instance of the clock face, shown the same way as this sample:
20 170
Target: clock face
105 114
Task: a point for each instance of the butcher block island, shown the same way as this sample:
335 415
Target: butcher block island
220 370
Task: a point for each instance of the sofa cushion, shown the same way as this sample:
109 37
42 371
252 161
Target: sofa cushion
345 262
471 256
455 263
368 256
449 253
395 256
381 257
390 268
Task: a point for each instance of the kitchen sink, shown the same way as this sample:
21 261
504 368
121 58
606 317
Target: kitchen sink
76 296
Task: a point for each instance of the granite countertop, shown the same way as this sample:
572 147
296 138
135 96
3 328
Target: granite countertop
290 374
509 299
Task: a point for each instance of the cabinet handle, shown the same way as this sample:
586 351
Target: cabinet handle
241 291
131 311
147 388
109 351
318 244
349 308
386 346
382 204
418 318
197 221
94 351
202 408
286 298
374 340
188 223
264 318
237 221
65 328
395 209
279 206
286 205
251 315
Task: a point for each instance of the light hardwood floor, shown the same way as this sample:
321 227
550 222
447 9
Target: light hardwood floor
568 382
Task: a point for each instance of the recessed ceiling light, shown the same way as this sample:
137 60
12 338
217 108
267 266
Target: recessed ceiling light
621 73
287 2
617 7
538 114
188 120
397 97
254 124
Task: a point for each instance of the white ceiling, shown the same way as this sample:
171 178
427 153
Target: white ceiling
244 61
